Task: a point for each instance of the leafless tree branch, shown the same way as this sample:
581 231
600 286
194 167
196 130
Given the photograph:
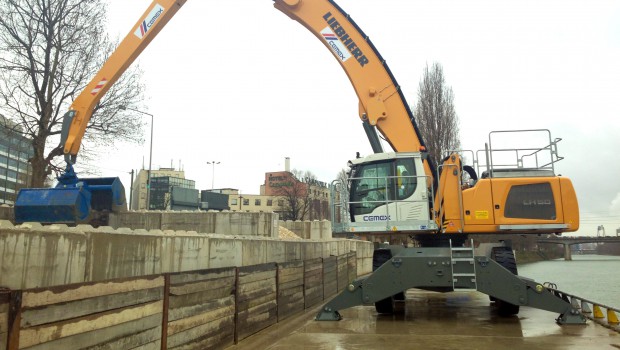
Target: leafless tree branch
49 50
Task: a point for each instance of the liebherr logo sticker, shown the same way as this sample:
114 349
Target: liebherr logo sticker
148 22
336 45
99 86
340 42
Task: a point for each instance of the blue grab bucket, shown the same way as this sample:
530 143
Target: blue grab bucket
52 205
71 201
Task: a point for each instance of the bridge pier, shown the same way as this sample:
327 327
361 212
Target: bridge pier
567 253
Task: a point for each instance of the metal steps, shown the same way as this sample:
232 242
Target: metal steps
463 268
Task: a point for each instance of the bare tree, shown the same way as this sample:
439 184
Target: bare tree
49 50
296 195
435 114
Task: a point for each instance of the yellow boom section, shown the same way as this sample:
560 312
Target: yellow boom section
149 25
381 101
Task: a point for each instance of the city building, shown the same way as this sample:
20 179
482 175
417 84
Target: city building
15 150
173 193
311 195
139 187
253 202
280 190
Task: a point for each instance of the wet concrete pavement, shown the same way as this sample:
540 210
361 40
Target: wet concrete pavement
432 321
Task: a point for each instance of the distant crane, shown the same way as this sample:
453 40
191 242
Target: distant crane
600 231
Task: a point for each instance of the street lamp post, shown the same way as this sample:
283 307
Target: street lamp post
148 177
213 174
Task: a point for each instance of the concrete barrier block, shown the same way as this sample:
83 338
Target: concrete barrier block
332 247
136 219
58 227
41 258
326 249
299 229
275 224
224 252
312 250
119 255
276 251
221 223
364 249
185 253
349 245
30 225
6 224
83 228
293 250
343 247
326 229
365 267
253 251
311 230
198 221
243 224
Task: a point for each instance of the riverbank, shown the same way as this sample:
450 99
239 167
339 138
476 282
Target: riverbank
526 257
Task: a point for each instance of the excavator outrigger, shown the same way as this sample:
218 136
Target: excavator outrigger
400 192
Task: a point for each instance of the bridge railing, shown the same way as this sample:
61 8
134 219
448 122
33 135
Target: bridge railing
590 309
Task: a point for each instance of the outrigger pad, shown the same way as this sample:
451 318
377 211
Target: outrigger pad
52 205
572 317
327 314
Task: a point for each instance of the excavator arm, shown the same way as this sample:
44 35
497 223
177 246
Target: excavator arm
76 200
381 101
76 119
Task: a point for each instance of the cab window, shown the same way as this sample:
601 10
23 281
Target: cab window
370 188
406 180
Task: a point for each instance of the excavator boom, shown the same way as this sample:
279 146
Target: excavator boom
381 100
144 31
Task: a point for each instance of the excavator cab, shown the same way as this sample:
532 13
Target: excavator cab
388 191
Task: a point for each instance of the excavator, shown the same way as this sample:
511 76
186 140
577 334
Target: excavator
397 192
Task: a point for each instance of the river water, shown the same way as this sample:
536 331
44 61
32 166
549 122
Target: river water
592 277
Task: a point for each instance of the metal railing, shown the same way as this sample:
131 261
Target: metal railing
539 157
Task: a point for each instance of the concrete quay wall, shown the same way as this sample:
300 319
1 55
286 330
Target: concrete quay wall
77 287
36 256
310 229
261 224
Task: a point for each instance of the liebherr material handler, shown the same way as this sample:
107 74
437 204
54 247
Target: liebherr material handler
396 192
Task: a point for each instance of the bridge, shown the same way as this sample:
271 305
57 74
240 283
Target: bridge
569 241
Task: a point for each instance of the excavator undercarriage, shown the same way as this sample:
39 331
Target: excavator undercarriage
448 269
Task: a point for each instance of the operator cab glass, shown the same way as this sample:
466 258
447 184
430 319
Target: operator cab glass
379 183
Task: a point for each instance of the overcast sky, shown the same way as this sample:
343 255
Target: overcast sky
240 83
